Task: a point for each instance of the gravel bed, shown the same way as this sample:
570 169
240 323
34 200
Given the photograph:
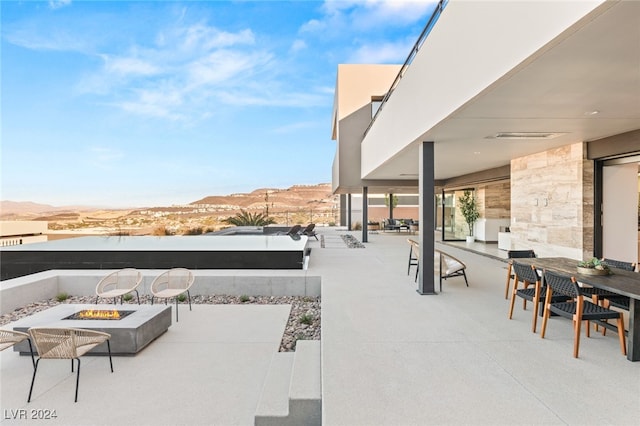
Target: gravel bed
351 241
303 323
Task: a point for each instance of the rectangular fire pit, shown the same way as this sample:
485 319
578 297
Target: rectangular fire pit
129 334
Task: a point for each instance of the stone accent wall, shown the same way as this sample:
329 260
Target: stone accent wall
493 201
552 202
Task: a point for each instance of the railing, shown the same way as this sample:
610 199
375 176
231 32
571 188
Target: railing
423 35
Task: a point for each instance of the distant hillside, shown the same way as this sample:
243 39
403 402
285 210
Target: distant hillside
297 196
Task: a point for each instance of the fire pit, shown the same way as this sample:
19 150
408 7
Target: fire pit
136 327
98 314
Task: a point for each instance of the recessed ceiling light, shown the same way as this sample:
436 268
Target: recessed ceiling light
526 135
594 112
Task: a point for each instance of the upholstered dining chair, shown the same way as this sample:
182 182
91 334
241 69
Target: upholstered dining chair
578 309
66 343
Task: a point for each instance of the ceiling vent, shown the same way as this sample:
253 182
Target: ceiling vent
526 135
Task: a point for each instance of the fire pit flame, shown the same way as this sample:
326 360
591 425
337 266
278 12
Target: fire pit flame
97 314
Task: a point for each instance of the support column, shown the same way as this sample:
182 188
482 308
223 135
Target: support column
390 206
349 212
365 214
426 281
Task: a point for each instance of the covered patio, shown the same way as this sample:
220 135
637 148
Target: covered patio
389 356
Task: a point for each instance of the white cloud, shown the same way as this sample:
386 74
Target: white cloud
382 53
128 66
57 4
298 45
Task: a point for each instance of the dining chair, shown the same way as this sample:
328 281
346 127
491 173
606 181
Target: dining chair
528 275
515 254
578 309
65 343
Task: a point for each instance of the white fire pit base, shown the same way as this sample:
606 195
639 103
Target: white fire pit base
129 335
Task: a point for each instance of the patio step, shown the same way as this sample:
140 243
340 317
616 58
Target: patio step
292 393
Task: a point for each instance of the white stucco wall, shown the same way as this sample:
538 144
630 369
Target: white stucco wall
473 44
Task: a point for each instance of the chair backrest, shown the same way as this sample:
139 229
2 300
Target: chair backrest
449 264
525 272
627 266
295 230
309 228
57 343
9 338
176 278
514 254
127 278
414 247
561 284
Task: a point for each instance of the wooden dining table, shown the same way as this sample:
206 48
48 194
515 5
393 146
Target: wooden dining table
625 283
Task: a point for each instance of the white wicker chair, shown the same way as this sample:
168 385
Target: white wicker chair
66 343
172 283
8 338
119 283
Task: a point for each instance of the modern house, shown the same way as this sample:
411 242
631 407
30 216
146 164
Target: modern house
534 106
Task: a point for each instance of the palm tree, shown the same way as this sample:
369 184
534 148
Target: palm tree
245 218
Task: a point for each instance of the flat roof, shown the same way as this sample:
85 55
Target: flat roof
169 243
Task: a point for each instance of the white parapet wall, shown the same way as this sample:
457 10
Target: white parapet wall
21 291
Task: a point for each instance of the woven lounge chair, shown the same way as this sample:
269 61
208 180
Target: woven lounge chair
451 267
119 283
172 283
8 338
66 343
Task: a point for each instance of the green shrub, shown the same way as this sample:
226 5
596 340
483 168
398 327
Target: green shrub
182 297
306 319
244 298
61 297
127 297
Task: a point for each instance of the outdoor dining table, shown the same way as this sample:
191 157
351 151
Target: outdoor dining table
625 283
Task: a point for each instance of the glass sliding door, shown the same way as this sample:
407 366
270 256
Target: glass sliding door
454 227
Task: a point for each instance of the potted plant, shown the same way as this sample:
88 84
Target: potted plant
593 267
469 210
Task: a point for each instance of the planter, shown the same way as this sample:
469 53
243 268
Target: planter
592 271
471 239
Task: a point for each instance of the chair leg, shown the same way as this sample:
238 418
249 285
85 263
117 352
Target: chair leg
514 291
506 288
623 346
33 379
576 337
137 296
545 317
176 308
97 299
109 350
33 360
189 298
77 379
464 274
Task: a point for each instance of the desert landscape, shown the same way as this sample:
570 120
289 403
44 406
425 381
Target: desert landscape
299 204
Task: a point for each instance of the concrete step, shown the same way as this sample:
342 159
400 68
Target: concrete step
292 393
305 393
273 406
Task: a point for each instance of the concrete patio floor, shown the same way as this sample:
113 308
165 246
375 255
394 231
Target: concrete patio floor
389 357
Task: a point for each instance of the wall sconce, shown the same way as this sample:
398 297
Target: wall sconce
546 202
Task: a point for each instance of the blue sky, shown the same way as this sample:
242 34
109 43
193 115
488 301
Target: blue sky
149 103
